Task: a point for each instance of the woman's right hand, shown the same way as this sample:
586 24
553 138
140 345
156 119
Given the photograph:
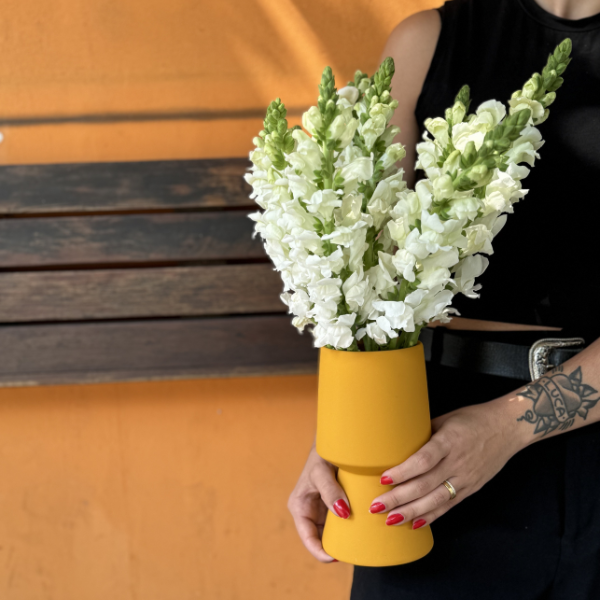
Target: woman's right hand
317 491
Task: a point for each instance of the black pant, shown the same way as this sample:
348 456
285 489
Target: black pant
532 532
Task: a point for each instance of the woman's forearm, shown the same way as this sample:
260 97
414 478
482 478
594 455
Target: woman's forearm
563 399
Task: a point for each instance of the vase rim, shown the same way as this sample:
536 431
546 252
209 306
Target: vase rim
363 352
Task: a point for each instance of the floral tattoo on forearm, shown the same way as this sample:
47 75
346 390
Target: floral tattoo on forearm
558 399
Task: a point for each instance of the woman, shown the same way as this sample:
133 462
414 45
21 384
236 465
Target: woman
533 531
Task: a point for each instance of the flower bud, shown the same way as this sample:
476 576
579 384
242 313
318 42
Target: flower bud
312 120
458 112
393 154
548 99
469 154
443 187
363 85
531 87
452 163
258 142
481 175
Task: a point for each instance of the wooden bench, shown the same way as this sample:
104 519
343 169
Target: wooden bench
137 271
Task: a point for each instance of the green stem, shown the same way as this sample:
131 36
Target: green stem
327 167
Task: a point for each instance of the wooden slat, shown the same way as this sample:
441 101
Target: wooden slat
155 349
126 293
127 239
123 186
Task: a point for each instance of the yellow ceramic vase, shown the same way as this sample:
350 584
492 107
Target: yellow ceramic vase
373 414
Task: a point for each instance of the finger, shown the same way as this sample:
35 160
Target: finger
420 462
413 489
309 534
420 511
332 494
431 516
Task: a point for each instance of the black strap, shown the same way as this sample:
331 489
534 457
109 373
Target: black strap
451 349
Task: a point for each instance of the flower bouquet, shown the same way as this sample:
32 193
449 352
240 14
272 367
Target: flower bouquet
367 263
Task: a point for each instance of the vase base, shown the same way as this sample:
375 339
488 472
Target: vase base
364 539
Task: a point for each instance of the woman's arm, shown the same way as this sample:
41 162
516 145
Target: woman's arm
411 45
470 445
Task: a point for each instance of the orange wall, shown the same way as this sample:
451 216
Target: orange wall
172 490
157 491
113 58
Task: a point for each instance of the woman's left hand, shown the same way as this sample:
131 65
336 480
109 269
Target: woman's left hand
468 447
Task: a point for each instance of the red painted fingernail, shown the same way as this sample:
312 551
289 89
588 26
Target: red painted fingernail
335 560
419 523
386 480
376 507
394 519
341 509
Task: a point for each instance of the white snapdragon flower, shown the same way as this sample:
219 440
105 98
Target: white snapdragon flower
326 289
322 203
439 128
465 273
374 332
383 197
519 102
348 236
386 327
294 215
323 311
398 315
389 134
307 155
299 303
404 262
355 250
360 169
327 265
489 114
299 237
372 129
393 154
503 191
301 322
355 289
312 120
349 93
260 159
351 210
525 147
344 125
428 156
398 230
443 187
367 312
301 187
384 110
337 333
465 207
435 270
463 133
384 274
429 306
479 239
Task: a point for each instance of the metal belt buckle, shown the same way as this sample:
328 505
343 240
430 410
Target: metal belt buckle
539 354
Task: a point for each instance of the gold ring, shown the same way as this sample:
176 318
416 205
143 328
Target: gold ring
451 489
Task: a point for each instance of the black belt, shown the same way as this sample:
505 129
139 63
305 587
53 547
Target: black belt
525 362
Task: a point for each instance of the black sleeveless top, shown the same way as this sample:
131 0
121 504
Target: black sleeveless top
546 267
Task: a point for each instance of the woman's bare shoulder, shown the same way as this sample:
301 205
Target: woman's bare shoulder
412 44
